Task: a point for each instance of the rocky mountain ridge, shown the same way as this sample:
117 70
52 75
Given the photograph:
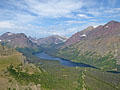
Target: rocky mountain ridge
13 40
100 47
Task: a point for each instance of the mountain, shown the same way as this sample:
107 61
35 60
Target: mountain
49 41
34 40
16 40
50 75
18 72
99 46
79 36
107 30
54 39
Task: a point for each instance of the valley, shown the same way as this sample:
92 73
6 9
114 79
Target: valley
100 47
59 44
88 60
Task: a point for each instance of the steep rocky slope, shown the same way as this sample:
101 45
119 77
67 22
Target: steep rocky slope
16 40
50 40
78 36
100 47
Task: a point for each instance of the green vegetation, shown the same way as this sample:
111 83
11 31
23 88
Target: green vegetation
100 52
9 56
12 59
50 75
24 78
106 62
97 80
4 51
80 82
29 51
77 78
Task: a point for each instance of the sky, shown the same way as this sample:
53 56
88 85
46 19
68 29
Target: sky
41 18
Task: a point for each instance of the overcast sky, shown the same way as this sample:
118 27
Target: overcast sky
41 18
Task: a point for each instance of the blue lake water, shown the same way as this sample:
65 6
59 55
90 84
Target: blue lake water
62 61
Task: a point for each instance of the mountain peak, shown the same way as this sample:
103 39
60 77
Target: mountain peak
16 40
8 33
112 22
90 27
21 35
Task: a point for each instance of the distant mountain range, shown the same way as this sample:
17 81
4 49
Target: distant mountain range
20 40
98 46
50 40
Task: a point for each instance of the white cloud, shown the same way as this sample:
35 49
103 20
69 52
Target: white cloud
47 17
94 12
6 24
74 22
23 18
112 10
83 16
54 8
95 24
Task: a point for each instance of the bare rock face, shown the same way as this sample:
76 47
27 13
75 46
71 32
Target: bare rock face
112 28
54 39
101 41
16 40
79 36
21 40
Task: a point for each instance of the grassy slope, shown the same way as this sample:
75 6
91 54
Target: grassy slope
106 62
5 61
53 76
101 53
9 57
69 78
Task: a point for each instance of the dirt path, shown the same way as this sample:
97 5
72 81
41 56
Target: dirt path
83 79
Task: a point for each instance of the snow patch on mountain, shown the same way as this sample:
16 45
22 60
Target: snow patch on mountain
83 35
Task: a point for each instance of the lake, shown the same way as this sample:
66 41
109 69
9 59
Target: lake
62 61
